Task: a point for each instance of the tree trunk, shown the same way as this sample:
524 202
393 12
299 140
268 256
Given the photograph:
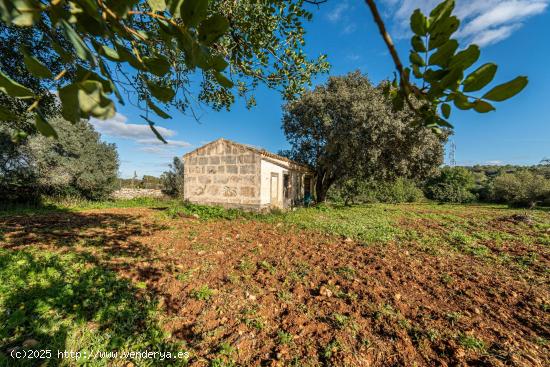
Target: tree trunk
320 190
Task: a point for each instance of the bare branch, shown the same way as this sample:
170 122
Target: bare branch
386 36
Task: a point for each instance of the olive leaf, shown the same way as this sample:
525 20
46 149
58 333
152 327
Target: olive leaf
80 47
36 67
192 12
159 65
160 92
446 110
44 126
12 88
419 23
480 77
157 110
157 5
7 115
482 106
507 90
154 129
222 79
213 28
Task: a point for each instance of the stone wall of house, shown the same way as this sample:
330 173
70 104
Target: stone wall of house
224 174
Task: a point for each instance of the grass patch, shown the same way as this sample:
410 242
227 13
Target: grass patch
67 301
53 205
204 212
367 224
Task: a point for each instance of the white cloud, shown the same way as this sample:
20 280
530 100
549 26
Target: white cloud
491 36
494 163
340 15
338 12
118 127
350 28
353 56
484 22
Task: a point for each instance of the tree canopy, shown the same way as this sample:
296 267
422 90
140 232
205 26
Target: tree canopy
348 128
77 163
148 53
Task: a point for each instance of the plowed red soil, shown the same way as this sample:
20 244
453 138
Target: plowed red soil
281 296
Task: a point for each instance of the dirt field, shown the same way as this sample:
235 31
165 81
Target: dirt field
401 285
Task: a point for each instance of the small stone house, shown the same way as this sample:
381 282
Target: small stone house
234 175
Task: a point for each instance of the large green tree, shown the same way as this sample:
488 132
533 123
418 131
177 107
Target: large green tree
148 53
76 163
348 128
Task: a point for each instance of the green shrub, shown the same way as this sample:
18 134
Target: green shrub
18 177
452 185
398 191
172 180
522 189
350 191
359 191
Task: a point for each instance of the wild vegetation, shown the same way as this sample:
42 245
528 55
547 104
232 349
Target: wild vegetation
77 163
172 180
517 186
347 129
416 284
406 284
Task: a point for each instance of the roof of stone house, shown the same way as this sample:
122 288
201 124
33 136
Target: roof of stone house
261 151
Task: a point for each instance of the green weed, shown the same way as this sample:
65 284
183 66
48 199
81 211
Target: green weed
204 293
471 342
284 337
267 266
346 272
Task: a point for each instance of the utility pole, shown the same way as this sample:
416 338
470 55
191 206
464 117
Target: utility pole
452 152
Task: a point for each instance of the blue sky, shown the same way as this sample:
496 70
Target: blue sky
512 33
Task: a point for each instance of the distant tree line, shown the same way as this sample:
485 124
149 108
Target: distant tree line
517 186
170 182
146 182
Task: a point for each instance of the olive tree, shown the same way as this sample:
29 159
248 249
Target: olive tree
77 163
349 128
